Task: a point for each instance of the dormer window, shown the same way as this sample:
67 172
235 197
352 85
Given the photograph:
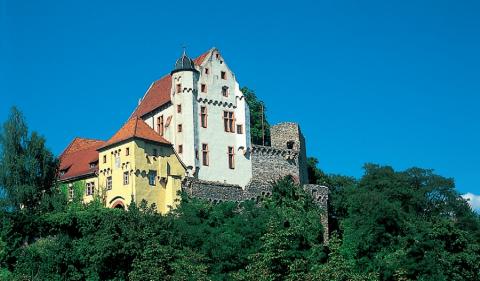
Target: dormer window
223 75
93 165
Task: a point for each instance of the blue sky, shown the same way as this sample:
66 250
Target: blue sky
389 82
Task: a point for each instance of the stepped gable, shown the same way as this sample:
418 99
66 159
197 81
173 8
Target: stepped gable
135 128
76 158
159 92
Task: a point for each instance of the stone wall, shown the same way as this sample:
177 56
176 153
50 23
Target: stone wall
285 156
216 192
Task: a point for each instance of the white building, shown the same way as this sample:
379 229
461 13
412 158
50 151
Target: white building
200 109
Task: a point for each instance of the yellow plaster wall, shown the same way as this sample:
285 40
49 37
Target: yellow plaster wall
162 195
138 164
119 191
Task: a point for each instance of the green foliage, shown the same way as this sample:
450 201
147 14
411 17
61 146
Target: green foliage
389 225
27 167
410 224
257 107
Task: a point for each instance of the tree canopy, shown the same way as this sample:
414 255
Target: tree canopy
386 225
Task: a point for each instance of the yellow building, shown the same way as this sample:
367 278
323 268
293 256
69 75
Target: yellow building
135 164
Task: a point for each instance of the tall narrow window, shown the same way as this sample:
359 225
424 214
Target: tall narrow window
179 108
151 177
109 183
180 149
179 128
207 71
231 157
203 116
160 125
239 129
223 75
203 88
71 192
205 159
229 121
117 160
104 159
127 151
125 178
225 91
179 88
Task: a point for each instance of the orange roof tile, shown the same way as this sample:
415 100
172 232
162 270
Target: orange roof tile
159 92
135 128
199 60
76 158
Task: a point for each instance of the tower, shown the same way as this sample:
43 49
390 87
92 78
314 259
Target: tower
184 101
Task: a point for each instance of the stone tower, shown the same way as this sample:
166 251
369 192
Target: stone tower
288 136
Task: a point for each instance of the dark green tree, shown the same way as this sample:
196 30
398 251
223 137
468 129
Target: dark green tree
27 167
257 114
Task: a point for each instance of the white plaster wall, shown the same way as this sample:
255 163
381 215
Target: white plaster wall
214 135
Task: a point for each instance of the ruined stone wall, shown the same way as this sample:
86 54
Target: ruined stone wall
216 192
270 164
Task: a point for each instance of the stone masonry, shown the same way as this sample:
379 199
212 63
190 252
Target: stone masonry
286 156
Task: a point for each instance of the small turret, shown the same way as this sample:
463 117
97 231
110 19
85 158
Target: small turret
184 63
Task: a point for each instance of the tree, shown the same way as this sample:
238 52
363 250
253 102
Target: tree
257 114
410 224
27 167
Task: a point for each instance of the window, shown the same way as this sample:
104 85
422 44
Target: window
160 125
205 154
169 169
117 160
217 55
151 177
231 157
229 121
223 75
104 159
93 165
203 116
239 129
290 144
89 188
225 91
125 178
127 151
179 128
179 108
203 88
155 152
109 183
180 148
70 192
179 88
207 71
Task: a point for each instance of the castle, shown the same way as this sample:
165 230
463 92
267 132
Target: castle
191 130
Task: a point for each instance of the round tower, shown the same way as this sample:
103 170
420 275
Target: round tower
184 100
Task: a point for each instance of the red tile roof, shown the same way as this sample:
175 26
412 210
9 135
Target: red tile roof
159 92
135 128
76 158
